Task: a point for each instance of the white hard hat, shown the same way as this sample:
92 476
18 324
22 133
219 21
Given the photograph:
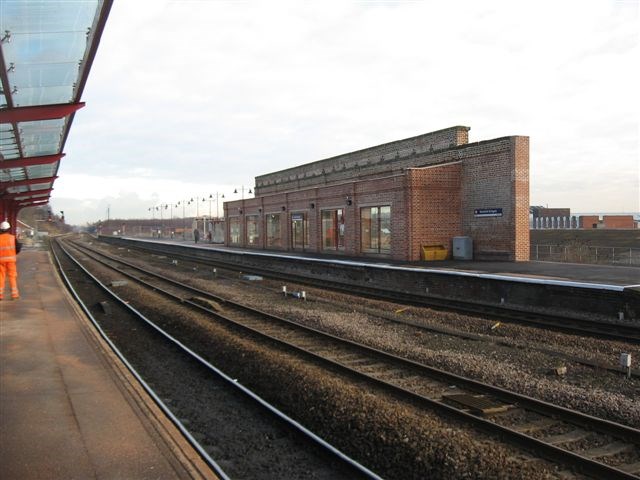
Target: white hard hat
5 226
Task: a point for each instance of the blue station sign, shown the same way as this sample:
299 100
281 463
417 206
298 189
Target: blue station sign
487 212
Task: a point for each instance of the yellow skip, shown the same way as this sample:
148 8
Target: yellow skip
402 310
496 325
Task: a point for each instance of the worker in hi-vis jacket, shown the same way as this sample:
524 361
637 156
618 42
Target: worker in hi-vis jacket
9 249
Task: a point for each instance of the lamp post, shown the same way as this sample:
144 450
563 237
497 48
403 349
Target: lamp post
242 189
196 201
184 227
159 207
204 221
218 205
192 200
185 203
173 230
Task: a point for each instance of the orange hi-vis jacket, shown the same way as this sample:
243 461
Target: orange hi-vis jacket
7 248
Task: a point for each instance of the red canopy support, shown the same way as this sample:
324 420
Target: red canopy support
33 203
9 212
28 181
28 193
38 112
31 161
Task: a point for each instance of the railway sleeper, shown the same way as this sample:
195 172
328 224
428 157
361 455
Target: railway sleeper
360 362
373 367
392 373
569 437
536 425
478 404
631 467
608 450
347 357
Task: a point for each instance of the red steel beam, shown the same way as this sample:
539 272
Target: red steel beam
32 203
28 193
38 112
28 181
31 161
32 200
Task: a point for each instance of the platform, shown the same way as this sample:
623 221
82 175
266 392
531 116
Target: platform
68 408
614 275
588 292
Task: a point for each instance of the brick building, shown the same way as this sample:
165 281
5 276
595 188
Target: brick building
543 217
608 221
589 221
393 199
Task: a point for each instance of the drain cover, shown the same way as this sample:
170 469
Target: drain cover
477 404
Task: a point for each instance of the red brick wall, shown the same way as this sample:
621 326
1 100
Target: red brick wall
434 199
618 221
587 221
430 203
351 166
376 192
520 186
496 175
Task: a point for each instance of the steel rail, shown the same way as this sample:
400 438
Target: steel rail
612 331
234 383
192 441
582 361
584 464
607 426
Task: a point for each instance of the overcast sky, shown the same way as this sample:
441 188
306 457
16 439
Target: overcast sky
190 98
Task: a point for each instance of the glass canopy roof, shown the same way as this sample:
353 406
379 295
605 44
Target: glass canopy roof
46 51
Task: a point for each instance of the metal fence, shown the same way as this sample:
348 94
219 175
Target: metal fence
586 254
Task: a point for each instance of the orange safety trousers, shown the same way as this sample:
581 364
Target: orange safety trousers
8 263
9 269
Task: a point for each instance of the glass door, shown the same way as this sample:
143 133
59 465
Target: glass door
298 231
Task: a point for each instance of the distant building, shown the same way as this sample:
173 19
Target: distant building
554 218
608 221
589 221
543 217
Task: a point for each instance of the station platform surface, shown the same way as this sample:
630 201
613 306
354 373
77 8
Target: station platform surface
618 275
68 408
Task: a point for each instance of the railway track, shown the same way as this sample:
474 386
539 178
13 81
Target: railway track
504 313
376 313
183 373
596 365
588 444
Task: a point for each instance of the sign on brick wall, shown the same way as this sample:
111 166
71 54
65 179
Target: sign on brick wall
487 212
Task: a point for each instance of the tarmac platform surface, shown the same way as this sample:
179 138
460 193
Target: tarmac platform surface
68 408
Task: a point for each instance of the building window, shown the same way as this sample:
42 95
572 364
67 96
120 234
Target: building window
234 230
375 229
299 231
333 229
253 237
274 237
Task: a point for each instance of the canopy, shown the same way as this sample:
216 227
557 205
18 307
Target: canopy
47 48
